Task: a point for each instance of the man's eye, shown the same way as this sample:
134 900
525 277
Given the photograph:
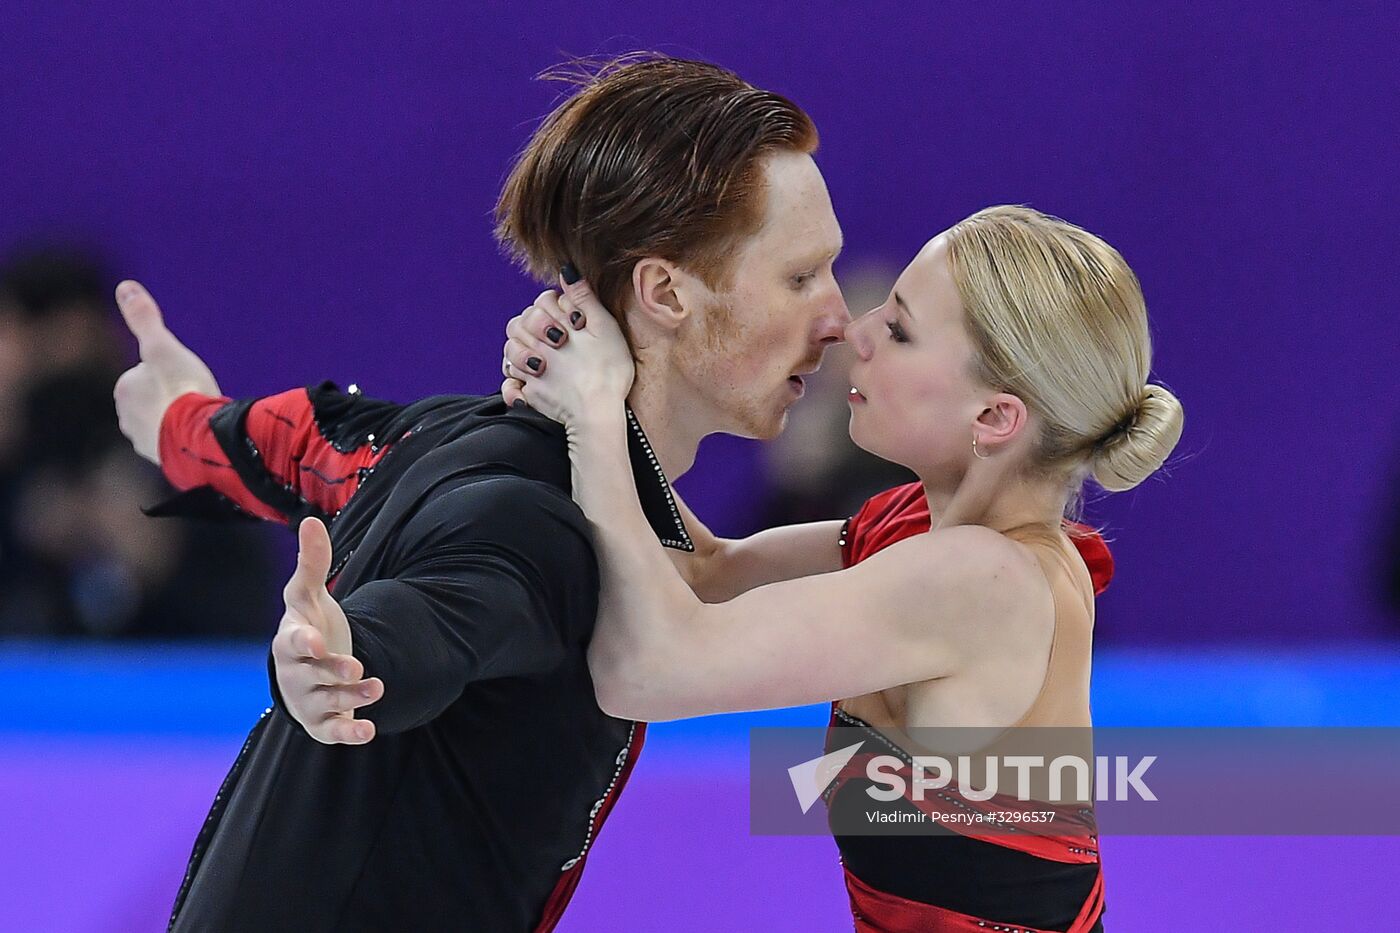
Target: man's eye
803 278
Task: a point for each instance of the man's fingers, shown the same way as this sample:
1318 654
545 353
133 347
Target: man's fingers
301 651
345 698
141 313
306 683
342 730
334 670
299 641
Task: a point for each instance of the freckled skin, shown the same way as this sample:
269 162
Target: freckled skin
770 326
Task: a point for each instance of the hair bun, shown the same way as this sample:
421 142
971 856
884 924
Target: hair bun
1136 450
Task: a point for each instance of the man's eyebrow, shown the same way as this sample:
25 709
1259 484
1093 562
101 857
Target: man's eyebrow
831 255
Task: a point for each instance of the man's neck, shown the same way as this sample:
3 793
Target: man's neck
661 412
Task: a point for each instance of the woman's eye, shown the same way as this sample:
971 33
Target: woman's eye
897 333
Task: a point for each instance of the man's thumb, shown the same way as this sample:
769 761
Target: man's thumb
313 553
141 313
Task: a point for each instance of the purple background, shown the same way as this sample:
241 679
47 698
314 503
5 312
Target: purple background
308 192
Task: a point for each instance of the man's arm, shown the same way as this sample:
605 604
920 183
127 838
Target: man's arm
271 457
494 579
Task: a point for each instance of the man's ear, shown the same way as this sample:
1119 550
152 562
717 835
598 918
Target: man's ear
1002 421
659 287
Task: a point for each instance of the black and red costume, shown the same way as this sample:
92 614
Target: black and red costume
470 584
958 880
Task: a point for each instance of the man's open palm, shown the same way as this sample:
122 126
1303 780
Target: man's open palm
168 369
320 680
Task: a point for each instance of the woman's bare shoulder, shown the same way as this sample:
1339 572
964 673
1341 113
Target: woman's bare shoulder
972 584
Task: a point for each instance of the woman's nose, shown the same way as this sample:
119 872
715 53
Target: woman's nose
858 335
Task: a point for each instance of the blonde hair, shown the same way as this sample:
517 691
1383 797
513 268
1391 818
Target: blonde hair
1058 319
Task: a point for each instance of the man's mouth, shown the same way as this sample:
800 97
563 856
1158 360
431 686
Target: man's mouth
799 378
854 395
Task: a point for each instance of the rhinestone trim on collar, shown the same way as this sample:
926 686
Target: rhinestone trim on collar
683 542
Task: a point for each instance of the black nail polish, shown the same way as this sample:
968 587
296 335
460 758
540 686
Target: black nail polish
554 334
534 363
518 403
575 318
569 273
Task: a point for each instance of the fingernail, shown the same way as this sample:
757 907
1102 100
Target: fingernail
569 273
518 403
554 334
575 317
534 363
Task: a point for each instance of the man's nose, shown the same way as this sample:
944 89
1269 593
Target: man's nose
831 327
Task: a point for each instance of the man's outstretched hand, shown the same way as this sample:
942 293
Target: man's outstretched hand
321 682
168 369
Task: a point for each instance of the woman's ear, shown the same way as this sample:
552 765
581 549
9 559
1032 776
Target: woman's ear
1002 421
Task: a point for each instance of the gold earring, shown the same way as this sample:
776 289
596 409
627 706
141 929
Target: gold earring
977 453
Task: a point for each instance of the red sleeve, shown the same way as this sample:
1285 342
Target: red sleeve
245 451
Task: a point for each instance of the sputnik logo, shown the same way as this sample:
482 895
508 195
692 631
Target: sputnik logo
811 778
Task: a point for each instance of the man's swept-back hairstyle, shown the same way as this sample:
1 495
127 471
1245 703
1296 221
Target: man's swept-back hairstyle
652 156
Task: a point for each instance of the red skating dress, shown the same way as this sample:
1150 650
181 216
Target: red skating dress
962 881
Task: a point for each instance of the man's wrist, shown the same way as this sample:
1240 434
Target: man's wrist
176 425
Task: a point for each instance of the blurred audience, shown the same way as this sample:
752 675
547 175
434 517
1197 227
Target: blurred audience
814 470
77 556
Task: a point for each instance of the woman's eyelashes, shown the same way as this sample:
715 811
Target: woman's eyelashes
897 333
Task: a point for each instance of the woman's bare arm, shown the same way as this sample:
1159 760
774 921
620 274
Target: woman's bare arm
722 568
921 609
918 610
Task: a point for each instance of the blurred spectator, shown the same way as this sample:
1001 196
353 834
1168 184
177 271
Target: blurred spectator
814 469
77 556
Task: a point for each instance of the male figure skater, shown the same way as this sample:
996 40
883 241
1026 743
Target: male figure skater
452 603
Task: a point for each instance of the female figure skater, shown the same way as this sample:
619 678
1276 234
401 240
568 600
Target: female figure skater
1009 364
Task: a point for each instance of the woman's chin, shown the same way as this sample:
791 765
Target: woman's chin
892 449
860 436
